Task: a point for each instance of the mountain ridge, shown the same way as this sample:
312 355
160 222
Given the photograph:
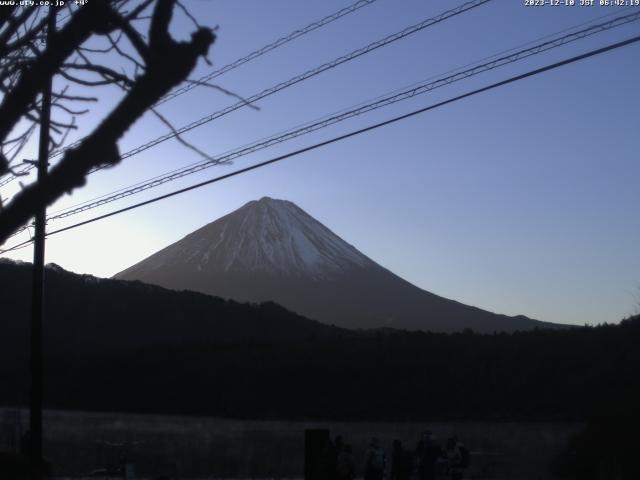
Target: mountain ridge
84 313
272 250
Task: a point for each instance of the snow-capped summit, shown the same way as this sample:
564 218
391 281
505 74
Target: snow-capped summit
263 236
272 250
276 235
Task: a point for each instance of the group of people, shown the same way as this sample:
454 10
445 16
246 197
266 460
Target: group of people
424 462
428 459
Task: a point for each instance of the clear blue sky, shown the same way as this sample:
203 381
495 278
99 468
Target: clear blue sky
523 200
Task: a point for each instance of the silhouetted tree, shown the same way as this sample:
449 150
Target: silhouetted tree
146 66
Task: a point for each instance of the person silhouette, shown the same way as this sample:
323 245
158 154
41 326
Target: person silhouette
375 461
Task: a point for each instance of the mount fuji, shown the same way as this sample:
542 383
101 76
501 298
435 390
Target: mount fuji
272 250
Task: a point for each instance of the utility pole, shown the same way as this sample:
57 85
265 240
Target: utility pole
37 303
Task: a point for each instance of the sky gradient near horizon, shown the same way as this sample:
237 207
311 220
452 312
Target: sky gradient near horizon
522 200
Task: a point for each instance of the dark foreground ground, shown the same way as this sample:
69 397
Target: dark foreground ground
78 443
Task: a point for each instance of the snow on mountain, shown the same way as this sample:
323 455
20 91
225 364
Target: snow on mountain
263 236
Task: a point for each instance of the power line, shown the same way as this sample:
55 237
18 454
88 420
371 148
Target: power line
233 65
331 120
354 133
267 48
292 81
493 56
311 73
20 246
326 121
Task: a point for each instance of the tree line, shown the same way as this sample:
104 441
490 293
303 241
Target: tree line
539 375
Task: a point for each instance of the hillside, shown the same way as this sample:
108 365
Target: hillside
89 314
539 375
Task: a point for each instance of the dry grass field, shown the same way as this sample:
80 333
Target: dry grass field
78 443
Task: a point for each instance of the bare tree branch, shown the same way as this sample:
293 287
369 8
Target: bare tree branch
88 19
166 64
181 139
225 91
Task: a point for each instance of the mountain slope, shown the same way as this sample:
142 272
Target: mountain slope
273 250
272 237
